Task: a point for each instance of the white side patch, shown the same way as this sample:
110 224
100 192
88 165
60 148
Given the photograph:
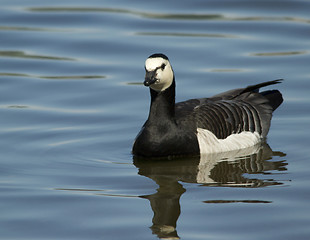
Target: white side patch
209 143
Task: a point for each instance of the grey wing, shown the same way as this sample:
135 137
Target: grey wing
183 109
234 111
226 117
234 93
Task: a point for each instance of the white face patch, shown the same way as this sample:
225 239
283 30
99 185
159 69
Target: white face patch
164 76
152 63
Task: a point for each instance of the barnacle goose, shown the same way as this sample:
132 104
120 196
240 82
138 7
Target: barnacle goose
228 121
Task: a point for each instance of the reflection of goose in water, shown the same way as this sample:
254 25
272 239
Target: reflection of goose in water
227 169
222 169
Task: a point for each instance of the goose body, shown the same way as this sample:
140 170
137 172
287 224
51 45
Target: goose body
228 121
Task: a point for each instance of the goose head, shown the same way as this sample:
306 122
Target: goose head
159 74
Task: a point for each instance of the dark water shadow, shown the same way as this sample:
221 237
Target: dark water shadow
230 169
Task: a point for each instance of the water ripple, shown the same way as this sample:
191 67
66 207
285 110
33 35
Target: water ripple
66 77
273 54
22 54
184 34
174 16
32 29
53 109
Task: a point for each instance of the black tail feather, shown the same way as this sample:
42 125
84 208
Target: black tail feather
256 87
274 97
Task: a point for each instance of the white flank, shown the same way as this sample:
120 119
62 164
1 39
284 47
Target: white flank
209 143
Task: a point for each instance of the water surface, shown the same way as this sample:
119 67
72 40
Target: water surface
72 102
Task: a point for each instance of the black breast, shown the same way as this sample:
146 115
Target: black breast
166 139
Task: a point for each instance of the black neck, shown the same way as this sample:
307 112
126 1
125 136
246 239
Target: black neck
162 103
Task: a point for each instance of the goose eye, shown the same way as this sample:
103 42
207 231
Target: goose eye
163 66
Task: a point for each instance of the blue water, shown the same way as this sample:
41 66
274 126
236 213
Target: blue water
72 102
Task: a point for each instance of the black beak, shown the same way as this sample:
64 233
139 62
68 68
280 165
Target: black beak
150 78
